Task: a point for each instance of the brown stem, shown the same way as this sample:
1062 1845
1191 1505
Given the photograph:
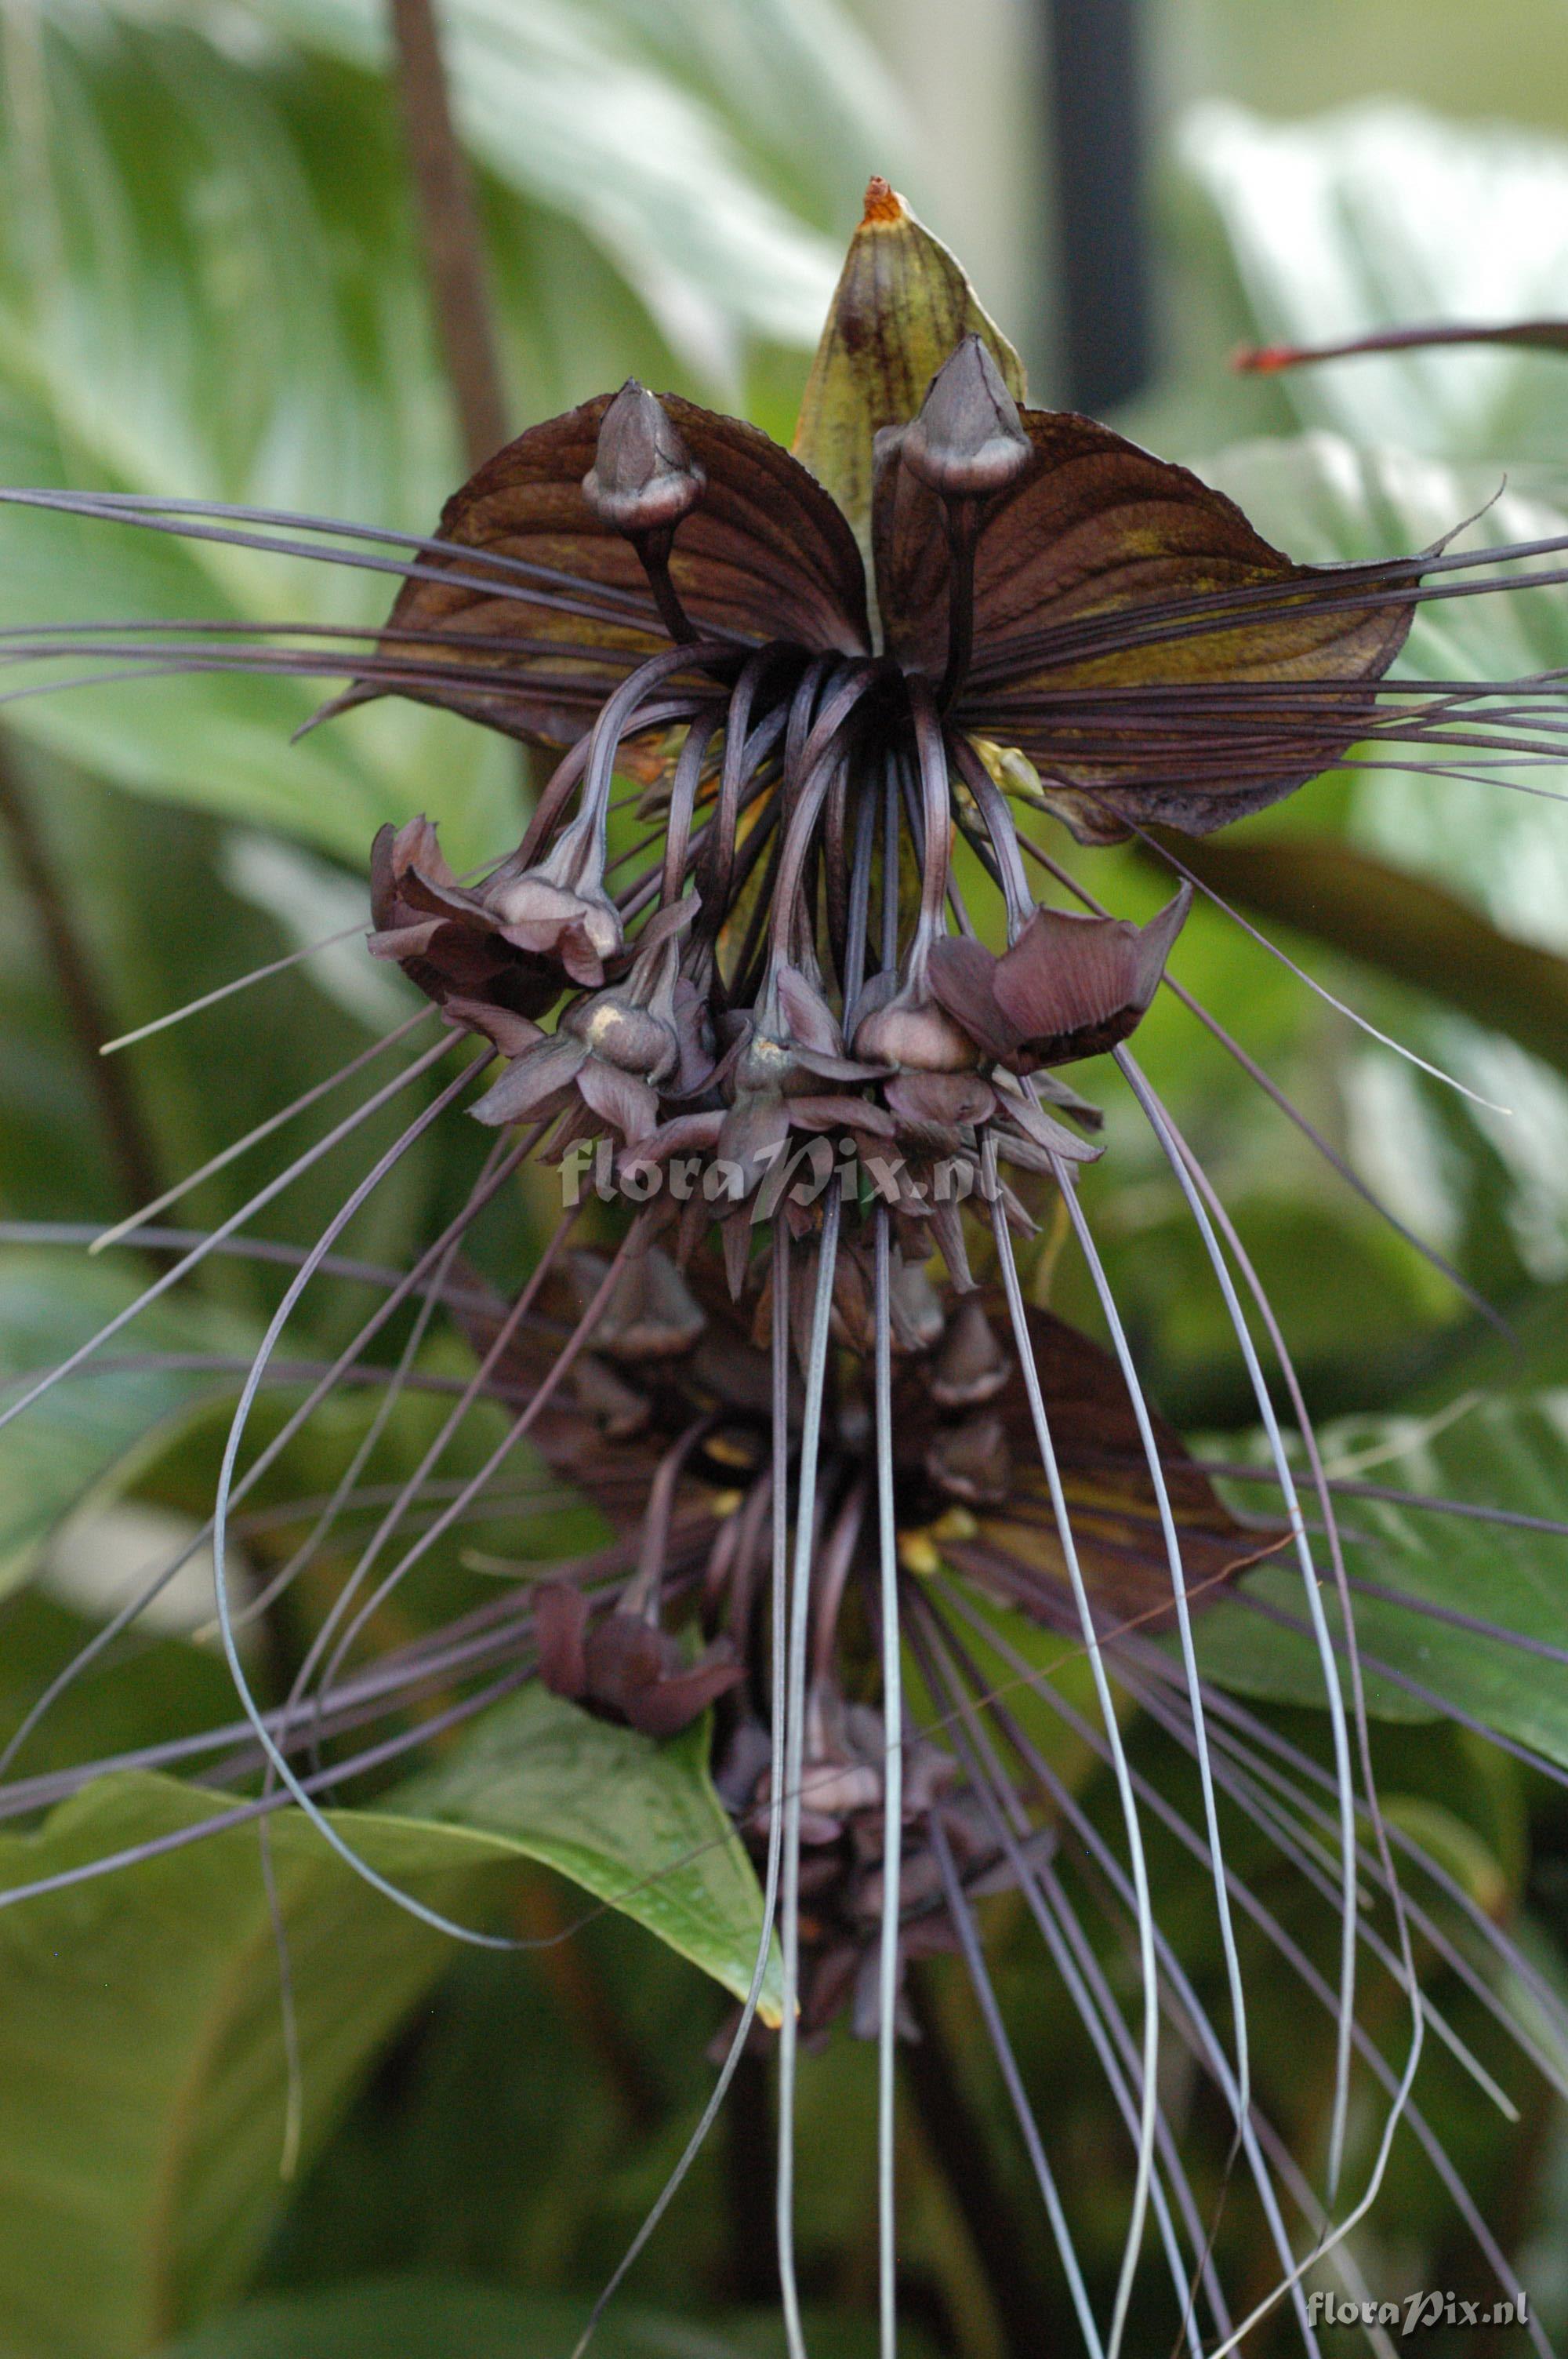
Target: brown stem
751 2270
957 2144
449 222
129 1146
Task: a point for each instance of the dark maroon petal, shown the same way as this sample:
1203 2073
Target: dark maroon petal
625 1656
810 1021
1058 1093
940 1101
1066 976
688 1134
1155 943
754 1130
1072 986
947 1227
443 897
393 853
404 943
833 1113
735 1238
835 1068
619 1099
673 1703
666 924
961 974
527 1087
560 1618
514 1034
1017 1105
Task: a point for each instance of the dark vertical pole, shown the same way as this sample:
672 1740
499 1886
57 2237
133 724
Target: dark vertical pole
1097 150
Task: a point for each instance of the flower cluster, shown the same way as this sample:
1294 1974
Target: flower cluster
814 1032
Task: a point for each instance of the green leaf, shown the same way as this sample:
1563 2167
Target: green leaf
1490 1451
582 108
901 303
161 1686
636 1822
95 1432
414 2318
1383 215
140 2032
288 367
141 2050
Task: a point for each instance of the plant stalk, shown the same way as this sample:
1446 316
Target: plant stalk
449 221
130 1149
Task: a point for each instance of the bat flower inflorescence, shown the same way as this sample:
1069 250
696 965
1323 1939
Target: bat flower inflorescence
800 1055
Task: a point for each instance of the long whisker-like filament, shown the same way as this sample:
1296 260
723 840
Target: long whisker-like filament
779 1503
1397 2084
1271 1089
1080 1972
1184 1616
192 1245
794 1747
264 1196
974 1959
1316 1862
1320 990
1335 1700
502 577
933 1656
893 1793
1190 2014
1309 1441
238 1248
1255 1742
274 1755
429 1461
227 990
344 1489
274 1122
1180 1163
1107 1713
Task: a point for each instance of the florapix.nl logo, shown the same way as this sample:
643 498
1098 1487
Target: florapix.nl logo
797 1172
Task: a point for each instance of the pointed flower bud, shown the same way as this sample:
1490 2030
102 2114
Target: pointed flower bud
967 441
971 1367
642 479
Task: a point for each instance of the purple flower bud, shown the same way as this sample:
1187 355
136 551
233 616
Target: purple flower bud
967 441
642 479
